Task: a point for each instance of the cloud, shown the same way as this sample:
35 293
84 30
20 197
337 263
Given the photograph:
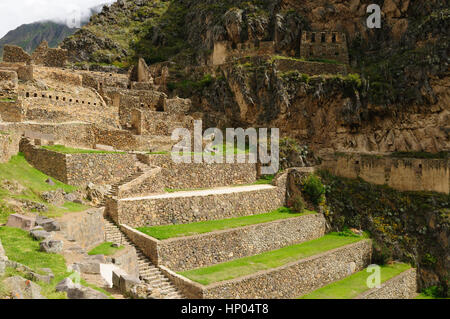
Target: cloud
17 12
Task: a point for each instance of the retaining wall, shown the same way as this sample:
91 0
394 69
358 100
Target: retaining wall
79 169
289 281
188 176
184 253
175 210
86 228
310 68
404 174
9 146
403 286
12 111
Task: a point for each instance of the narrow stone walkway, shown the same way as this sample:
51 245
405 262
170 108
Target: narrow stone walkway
147 270
205 192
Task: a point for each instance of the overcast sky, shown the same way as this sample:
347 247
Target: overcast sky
14 13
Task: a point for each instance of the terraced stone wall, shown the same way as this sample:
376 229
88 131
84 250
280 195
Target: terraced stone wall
203 250
404 174
80 169
48 162
9 146
98 168
403 286
86 228
73 134
289 281
12 111
149 211
190 176
158 123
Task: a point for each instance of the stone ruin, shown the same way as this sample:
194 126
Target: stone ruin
324 45
43 55
15 54
327 45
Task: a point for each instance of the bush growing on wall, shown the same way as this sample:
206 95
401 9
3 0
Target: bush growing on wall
314 189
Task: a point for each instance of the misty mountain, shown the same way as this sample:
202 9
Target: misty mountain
29 36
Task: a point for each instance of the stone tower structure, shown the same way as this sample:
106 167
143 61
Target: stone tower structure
324 45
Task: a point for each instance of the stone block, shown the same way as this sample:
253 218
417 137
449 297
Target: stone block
116 274
38 234
21 221
126 282
51 246
22 288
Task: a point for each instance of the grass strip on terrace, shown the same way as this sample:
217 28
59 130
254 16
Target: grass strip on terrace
172 231
68 150
269 260
356 284
106 249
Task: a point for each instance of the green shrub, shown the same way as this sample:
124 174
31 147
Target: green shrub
382 254
298 204
314 189
434 292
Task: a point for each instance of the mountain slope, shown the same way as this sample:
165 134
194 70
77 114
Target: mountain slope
29 36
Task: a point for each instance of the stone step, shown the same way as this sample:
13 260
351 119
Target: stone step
146 269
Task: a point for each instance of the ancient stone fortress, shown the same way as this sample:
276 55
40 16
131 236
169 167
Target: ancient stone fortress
134 183
322 52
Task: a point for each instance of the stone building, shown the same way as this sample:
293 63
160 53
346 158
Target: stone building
324 45
43 55
15 54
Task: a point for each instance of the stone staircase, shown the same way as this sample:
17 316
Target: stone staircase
141 168
147 270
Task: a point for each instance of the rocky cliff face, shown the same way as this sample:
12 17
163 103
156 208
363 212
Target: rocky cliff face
398 102
327 112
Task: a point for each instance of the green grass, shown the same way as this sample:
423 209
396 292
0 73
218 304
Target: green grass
272 259
425 296
267 179
68 150
105 249
33 181
355 284
281 57
172 231
433 292
20 247
7 100
20 170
